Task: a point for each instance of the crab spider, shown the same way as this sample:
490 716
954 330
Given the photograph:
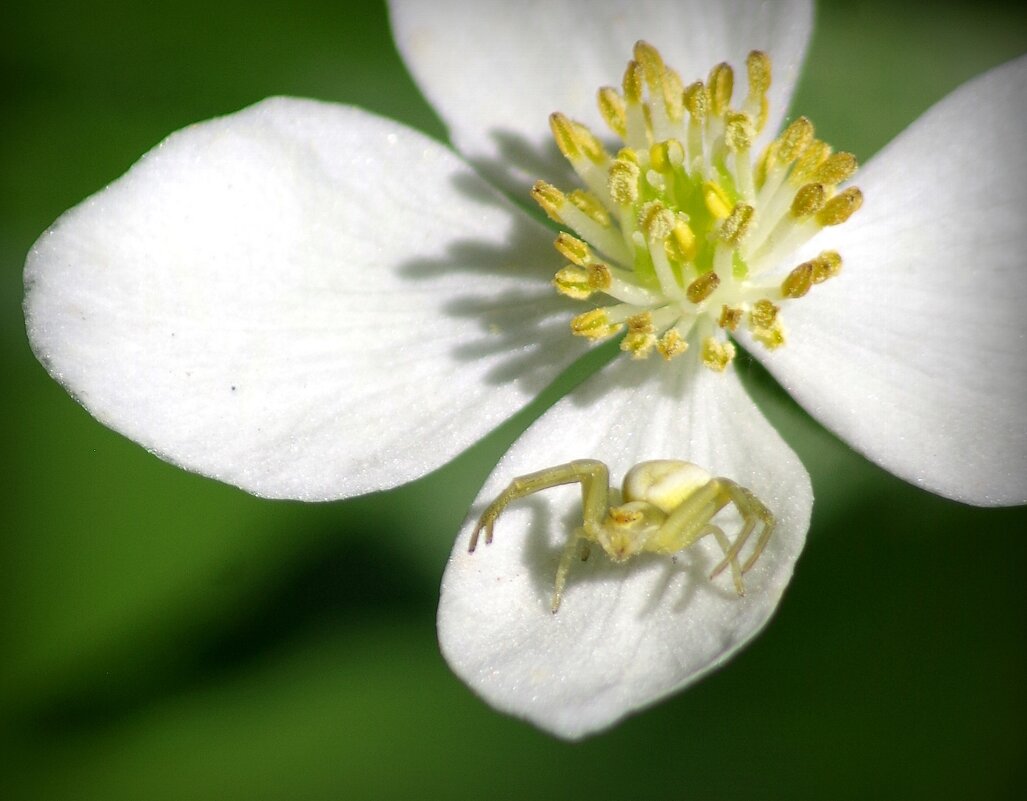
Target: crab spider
667 505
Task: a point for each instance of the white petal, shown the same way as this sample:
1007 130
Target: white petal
629 634
914 354
495 72
302 299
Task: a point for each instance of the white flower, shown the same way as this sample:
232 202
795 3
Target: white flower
312 302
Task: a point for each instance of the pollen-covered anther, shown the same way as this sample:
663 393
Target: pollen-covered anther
599 277
641 336
798 281
594 324
623 181
793 140
737 224
573 249
671 344
808 200
656 221
842 206
717 355
757 66
763 314
729 318
572 281
696 100
836 168
649 58
549 198
765 326
702 287
721 85
575 140
827 265
666 156
611 107
739 132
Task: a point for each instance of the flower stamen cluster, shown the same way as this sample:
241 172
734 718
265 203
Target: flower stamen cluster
683 227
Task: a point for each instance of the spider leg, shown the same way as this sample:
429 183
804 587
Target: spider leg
571 550
753 511
592 475
725 546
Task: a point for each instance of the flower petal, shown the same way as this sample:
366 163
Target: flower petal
914 354
302 299
495 73
628 634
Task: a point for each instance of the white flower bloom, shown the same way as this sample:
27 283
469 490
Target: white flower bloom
312 302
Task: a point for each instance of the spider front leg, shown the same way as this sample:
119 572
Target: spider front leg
595 488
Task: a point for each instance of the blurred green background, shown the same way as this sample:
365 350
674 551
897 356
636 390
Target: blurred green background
166 637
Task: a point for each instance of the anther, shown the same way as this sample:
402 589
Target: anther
827 265
717 201
696 100
702 287
640 339
651 62
623 181
729 318
794 140
757 66
721 83
842 206
808 200
671 344
549 198
763 314
673 89
599 277
573 282
836 168
798 281
594 324
611 106
565 135
681 243
738 134
632 82
717 355
656 220
572 249
737 224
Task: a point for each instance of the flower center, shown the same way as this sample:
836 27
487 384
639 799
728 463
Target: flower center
684 228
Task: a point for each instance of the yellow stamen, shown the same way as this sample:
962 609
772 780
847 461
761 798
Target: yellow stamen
549 198
611 106
808 200
798 281
572 249
717 355
721 83
702 287
671 344
729 318
737 224
717 200
827 265
839 208
594 324
573 282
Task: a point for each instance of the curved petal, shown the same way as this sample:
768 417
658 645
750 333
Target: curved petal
628 634
914 354
302 299
495 73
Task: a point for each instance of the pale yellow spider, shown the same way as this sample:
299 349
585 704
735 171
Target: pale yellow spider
667 505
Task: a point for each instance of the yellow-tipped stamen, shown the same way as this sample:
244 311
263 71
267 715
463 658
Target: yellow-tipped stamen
729 318
594 325
702 287
717 355
827 265
612 109
839 208
798 281
671 344
572 249
573 282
